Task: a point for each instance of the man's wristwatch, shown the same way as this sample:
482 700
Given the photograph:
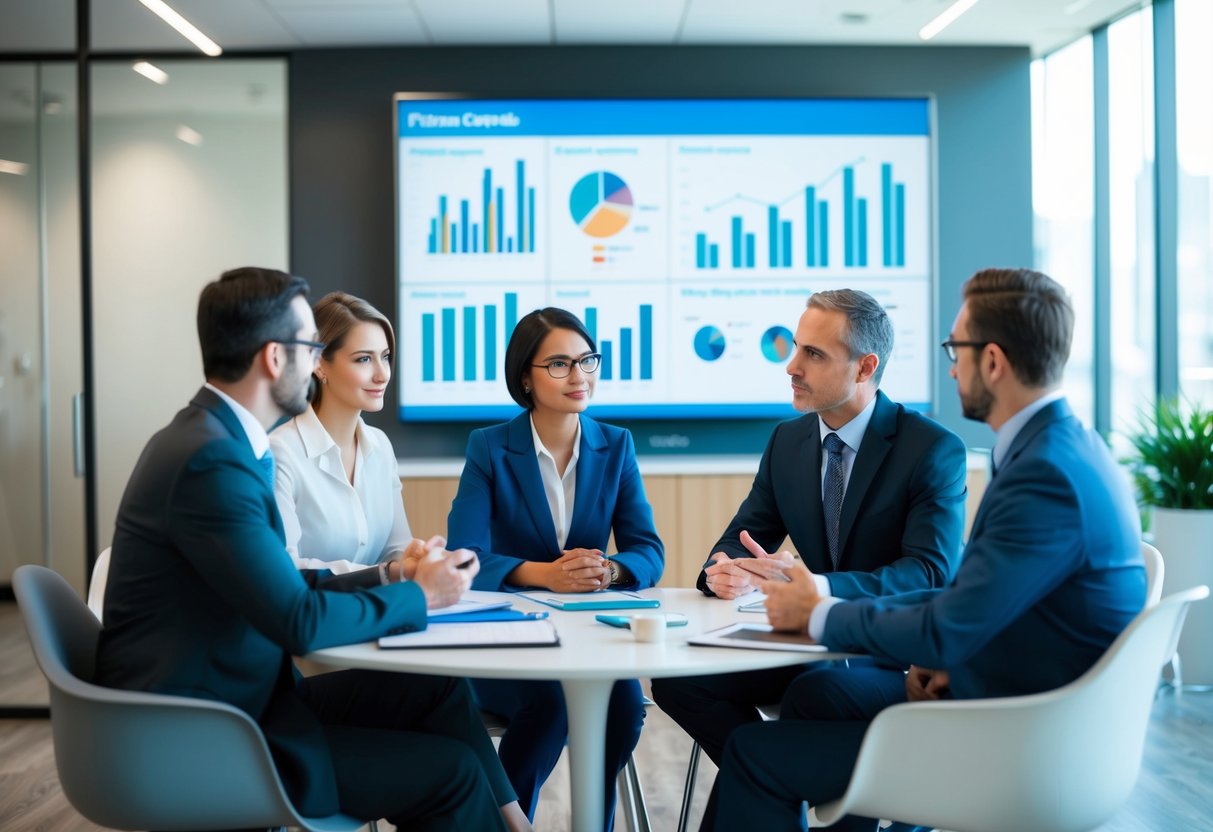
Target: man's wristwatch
616 574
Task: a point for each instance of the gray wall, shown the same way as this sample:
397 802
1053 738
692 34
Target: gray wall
342 204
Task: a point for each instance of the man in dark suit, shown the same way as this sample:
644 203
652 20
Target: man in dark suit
204 601
881 513
1051 575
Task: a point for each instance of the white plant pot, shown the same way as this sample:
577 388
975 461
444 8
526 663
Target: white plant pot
1185 539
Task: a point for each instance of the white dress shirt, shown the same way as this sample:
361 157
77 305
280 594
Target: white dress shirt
254 431
331 524
560 490
851 435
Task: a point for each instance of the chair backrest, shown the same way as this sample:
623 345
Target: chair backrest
1155 571
133 760
1060 761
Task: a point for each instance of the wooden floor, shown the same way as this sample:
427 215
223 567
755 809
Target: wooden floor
1174 792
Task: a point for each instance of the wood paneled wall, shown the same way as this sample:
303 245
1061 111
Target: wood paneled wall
690 512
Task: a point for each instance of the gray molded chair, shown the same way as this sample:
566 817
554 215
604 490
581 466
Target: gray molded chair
132 760
1067 759
635 812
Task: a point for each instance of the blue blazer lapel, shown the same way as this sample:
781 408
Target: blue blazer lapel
207 400
875 446
591 462
520 447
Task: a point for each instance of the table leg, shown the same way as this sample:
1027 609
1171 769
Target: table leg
586 701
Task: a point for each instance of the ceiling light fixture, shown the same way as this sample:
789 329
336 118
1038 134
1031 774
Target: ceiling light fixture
150 71
945 19
15 168
187 29
189 135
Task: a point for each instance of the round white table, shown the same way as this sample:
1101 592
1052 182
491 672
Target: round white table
590 659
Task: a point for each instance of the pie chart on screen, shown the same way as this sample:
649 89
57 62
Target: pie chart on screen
777 343
601 204
709 343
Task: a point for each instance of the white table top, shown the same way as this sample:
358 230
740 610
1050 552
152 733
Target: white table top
588 649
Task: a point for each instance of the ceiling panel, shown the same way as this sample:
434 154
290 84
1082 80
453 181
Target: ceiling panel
485 22
29 26
332 24
623 21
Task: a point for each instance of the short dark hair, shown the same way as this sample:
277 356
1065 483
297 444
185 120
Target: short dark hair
240 313
336 314
869 329
524 343
1028 315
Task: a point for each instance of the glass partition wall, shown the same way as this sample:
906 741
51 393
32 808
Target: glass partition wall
189 178
41 485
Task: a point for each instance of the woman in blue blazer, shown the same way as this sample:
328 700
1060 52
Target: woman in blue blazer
537 502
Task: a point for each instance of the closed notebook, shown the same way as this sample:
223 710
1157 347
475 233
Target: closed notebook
531 632
478 616
603 600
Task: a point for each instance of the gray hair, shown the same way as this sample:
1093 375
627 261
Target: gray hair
869 329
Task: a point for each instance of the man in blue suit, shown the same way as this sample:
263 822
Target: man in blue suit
1051 575
896 526
204 601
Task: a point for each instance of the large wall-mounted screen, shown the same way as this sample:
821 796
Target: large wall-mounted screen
687 234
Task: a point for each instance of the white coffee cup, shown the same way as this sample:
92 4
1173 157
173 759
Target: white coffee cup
648 626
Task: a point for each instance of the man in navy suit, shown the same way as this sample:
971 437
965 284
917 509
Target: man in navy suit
1051 575
886 516
204 601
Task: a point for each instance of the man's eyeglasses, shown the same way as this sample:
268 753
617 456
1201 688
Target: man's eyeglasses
949 347
561 367
316 347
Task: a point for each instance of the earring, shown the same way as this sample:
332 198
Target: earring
324 379
526 390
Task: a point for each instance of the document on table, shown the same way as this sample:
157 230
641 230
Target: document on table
756 637
533 632
606 599
472 601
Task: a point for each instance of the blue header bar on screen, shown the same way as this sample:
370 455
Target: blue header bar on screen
420 118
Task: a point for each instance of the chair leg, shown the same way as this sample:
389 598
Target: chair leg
688 790
631 796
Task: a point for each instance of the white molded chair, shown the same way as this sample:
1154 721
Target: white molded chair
1061 761
133 760
1155 571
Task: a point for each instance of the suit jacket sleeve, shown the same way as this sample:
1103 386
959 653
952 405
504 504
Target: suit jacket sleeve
640 549
469 524
1023 553
930 542
758 514
217 520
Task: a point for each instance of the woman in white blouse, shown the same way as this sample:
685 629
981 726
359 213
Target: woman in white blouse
336 477
338 488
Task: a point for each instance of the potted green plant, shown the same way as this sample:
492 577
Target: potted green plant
1172 467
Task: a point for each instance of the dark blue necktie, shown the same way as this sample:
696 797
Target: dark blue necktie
832 492
266 461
